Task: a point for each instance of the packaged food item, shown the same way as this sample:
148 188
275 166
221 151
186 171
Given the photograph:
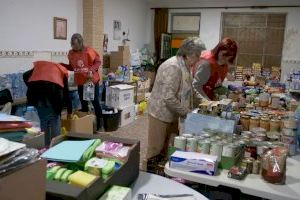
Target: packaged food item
254 122
275 125
247 164
238 173
256 167
274 165
245 122
265 123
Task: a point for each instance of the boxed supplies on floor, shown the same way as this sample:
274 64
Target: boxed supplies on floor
27 182
120 96
82 123
127 115
124 176
194 162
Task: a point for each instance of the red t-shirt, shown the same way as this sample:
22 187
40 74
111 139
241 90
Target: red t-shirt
82 62
48 71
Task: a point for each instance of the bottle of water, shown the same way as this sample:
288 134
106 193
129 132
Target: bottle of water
32 116
89 90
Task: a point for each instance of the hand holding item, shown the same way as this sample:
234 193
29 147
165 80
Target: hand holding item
89 76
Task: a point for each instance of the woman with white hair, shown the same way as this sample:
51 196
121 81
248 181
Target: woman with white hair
171 95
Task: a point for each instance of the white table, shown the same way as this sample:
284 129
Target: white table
252 184
154 184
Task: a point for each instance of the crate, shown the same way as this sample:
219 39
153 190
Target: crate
125 176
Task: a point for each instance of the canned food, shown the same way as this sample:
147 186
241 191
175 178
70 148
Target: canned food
229 150
187 135
245 122
261 149
216 149
254 122
265 123
203 146
180 143
247 163
191 144
256 167
275 125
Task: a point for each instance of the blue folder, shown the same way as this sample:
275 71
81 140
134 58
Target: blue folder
67 151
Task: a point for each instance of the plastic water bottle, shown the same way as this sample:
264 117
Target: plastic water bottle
89 90
32 116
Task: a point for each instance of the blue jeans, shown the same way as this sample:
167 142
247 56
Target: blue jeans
49 120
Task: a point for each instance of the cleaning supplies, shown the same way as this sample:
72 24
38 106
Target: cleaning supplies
100 167
90 151
82 179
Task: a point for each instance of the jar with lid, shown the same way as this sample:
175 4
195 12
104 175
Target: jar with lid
245 122
264 99
275 125
265 123
254 122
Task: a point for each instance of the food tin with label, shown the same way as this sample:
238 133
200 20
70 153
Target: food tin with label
254 122
203 146
265 123
247 163
180 143
250 151
229 150
191 144
245 122
256 167
216 149
275 125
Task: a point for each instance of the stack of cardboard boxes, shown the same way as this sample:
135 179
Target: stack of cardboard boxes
118 58
122 97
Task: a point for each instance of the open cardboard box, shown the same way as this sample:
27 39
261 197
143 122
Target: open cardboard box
28 182
84 123
125 176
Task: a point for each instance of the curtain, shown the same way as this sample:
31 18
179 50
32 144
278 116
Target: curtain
160 26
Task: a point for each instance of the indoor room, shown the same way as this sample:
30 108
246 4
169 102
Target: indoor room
150 99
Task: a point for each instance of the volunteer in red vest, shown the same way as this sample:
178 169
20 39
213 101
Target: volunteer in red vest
85 61
47 91
213 68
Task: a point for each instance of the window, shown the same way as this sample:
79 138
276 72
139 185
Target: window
259 36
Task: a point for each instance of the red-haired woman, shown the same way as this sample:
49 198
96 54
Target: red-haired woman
213 68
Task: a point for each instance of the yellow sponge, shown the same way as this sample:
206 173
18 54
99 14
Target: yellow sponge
81 179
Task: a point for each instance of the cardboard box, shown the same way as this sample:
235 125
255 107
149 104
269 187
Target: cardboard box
125 176
28 182
125 48
120 96
35 141
194 162
84 124
127 115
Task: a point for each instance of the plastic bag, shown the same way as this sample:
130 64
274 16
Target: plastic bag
274 165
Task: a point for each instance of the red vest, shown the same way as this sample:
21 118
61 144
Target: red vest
48 71
81 62
217 74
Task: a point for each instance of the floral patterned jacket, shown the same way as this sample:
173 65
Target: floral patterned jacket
171 95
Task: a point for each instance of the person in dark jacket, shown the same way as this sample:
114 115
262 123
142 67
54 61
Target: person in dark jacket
47 91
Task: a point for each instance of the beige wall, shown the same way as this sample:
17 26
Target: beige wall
93 24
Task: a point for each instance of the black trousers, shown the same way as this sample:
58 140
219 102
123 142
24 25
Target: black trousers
95 102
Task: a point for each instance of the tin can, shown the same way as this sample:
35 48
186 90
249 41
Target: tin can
203 146
256 167
254 122
187 135
180 143
216 149
274 125
247 163
261 149
191 144
229 150
245 122
265 123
